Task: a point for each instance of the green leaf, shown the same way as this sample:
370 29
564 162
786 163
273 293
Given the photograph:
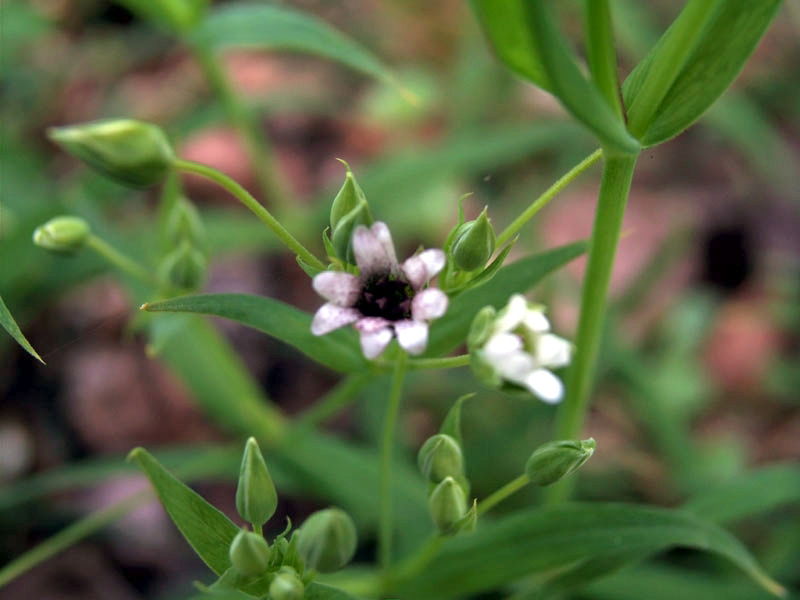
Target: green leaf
543 540
206 529
172 15
729 36
10 325
256 25
320 591
337 350
451 330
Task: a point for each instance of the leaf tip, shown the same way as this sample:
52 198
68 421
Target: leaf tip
135 454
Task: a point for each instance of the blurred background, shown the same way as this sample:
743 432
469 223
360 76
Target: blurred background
700 368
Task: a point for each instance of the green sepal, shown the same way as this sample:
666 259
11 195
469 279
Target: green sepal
249 554
448 506
555 460
256 498
440 457
327 540
65 234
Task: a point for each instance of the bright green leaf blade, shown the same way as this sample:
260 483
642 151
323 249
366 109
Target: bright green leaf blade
728 39
10 325
518 277
542 540
337 350
206 529
256 25
320 591
172 15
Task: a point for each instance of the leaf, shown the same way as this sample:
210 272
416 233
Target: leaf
337 350
725 43
543 540
256 25
451 330
320 591
206 529
10 325
172 15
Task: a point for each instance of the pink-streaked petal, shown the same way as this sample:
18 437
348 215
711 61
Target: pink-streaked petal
545 385
373 343
422 267
412 336
374 250
338 287
330 317
512 316
429 304
552 351
371 324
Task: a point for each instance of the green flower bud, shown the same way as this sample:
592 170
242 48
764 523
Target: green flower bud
249 553
62 234
448 505
440 457
286 585
132 152
256 498
554 460
184 223
327 540
474 243
349 210
185 267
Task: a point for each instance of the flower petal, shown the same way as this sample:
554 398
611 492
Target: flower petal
545 385
536 321
429 304
421 268
374 341
552 351
412 336
330 317
514 313
338 287
374 250
501 345
514 367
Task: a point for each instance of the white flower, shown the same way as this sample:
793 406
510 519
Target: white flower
386 299
520 349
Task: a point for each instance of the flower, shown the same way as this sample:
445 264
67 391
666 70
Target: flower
386 299
515 347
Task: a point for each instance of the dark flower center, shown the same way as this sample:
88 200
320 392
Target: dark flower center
387 297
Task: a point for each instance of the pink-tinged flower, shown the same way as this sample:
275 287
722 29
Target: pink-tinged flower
386 299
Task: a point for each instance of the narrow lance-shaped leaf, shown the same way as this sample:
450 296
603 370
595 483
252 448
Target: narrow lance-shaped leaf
10 325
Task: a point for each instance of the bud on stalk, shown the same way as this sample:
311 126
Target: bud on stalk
327 540
256 498
556 460
286 585
62 234
448 505
474 243
440 457
249 553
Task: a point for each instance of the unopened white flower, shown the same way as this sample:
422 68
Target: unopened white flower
515 346
386 299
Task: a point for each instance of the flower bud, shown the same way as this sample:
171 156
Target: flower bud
349 210
256 498
474 243
286 585
554 460
185 267
327 540
184 223
249 553
448 505
440 457
132 152
62 234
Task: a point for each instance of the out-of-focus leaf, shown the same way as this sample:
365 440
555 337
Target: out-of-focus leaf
10 325
542 540
320 591
337 350
172 15
206 529
726 41
518 277
257 25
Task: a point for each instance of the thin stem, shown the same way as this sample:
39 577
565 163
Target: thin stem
449 362
601 55
257 528
341 396
502 493
122 262
614 189
386 522
255 207
261 156
548 195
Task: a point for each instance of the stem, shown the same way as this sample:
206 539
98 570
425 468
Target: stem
502 493
257 529
602 57
341 396
449 362
247 199
614 189
122 262
258 150
548 195
385 527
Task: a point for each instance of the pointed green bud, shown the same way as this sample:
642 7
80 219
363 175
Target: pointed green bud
349 210
185 267
327 540
184 223
554 460
286 585
470 520
62 234
440 457
132 152
474 243
256 498
249 553
448 505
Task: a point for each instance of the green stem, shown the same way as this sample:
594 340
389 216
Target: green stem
247 199
122 262
386 522
614 189
548 195
257 528
341 396
502 493
600 51
259 152
449 362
